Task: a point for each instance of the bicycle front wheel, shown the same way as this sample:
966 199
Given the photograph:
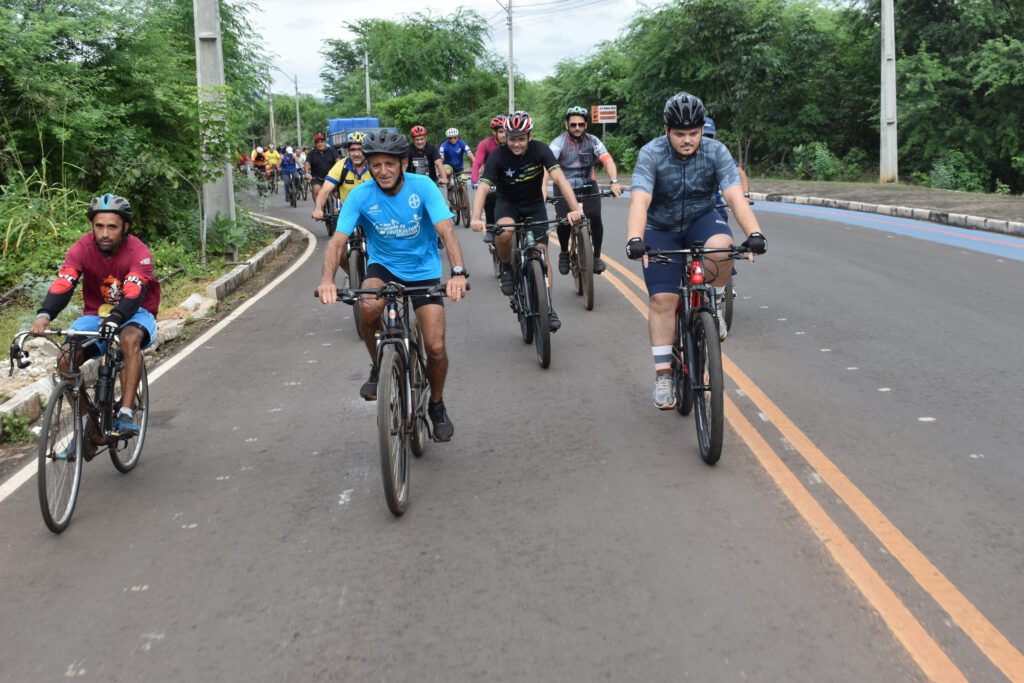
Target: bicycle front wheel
420 393
356 273
539 305
730 294
706 367
464 204
126 451
453 204
684 392
393 439
584 274
61 449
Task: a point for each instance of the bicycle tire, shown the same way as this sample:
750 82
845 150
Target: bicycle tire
496 261
420 393
464 204
393 439
523 308
541 305
59 479
708 400
684 392
356 273
132 447
730 294
305 190
585 266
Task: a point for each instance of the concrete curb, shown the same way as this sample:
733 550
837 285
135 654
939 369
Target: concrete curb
28 400
942 217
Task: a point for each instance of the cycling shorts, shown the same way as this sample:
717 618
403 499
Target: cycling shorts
452 170
381 273
665 278
142 319
536 211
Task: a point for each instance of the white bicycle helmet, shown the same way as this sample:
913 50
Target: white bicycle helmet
259 150
289 150
452 133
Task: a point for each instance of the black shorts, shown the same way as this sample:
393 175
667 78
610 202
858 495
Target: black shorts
535 211
381 273
664 278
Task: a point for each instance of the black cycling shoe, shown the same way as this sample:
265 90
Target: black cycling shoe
599 265
507 286
369 389
556 324
442 425
563 263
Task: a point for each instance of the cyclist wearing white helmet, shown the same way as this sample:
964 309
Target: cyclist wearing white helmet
452 151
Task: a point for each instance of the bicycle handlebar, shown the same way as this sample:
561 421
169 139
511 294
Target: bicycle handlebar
393 289
664 256
19 355
602 193
497 228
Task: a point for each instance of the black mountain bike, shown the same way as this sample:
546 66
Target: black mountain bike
458 198
331 211
696 351
76 425
305 187
292 189
357 260
581 251
531 300
730 288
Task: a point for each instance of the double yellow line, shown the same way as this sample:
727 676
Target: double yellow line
922 647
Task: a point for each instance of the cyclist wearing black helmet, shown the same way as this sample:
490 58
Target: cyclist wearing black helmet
120 294
578 152
672 207
402 214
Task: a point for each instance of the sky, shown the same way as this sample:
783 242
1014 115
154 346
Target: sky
545 31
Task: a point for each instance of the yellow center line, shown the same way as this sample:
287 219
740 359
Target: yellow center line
924 650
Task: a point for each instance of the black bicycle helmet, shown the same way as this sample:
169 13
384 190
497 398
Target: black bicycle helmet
385 142
110 203
684 110
577 111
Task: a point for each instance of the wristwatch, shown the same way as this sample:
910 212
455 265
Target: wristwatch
613 182
460 270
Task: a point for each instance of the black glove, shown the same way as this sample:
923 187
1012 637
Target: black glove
756 243
109 327
635 248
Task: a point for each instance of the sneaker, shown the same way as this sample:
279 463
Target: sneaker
369 389
507 287
599 266
664 393
442 424
563 263
555 323
125 425
723 329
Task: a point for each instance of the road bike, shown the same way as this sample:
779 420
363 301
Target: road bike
458 198
696 350
292 189
402 387
581 251
77 426
531 299
356 255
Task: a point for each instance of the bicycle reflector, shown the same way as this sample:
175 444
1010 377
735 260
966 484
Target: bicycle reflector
696 273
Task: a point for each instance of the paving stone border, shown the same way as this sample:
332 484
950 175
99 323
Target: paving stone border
27 401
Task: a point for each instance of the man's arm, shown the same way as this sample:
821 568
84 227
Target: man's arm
575 212
333 254
455 288
613 175
478 160
636 219
325 191
745 216
479 199
56 299
441 173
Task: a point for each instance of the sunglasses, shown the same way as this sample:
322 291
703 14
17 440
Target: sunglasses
577 125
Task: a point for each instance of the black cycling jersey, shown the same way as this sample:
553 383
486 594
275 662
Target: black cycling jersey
519 179
321 163
421 161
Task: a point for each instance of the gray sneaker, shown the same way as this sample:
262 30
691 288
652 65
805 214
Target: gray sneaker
664 394
723 329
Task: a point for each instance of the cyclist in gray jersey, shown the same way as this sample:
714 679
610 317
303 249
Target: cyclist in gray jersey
672 206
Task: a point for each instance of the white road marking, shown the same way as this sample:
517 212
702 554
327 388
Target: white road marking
275 410
345 496
75 669
151 638
763 307
252 439
137 589
764 418
853 367
884 389
826 350
814 478
781 320
977 456
292 384
189 526
310 361
740 392
926 419
327 344
799 332
224 477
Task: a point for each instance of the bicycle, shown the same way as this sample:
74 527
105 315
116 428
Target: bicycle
74 425
581 252
402 387
262 184
306 187
357 257
531 300
458 198
272 177
331 211
730 288
292 189
696 350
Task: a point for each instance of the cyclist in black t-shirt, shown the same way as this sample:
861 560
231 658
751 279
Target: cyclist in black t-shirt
424 158
516 172
319 162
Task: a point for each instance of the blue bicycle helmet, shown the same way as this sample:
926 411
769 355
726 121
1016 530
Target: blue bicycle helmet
110 203
709 127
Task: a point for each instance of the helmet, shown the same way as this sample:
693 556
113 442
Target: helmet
289 150
354 138
497 122
577 111
684 110
259 150
709 127
110 203
518 123
385 142
318 137
452 133
417 131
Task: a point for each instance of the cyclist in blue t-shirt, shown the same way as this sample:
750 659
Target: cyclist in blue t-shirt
453 149
402 215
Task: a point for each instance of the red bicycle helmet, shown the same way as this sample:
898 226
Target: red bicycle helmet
417 131
497 122
518 123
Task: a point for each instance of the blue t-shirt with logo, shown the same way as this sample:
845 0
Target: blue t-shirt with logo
399 228
452 154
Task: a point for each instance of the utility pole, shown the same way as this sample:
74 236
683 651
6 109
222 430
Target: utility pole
511 68
298 121
888 166
218 194
270 100
366 69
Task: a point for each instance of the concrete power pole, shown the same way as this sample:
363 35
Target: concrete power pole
273 124
511 67
888 166
366 69
298 121
219 194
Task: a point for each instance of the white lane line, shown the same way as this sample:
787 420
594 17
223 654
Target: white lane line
26 472
977 456
926 419
884 389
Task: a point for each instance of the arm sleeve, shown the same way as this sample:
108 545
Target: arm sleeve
556 146
478 160
60 292
490 170
334 175
644 172
600 151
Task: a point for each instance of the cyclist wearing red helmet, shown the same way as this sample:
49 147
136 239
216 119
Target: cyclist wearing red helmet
424 158
516 172
487 147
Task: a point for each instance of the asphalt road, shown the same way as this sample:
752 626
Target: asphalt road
569 532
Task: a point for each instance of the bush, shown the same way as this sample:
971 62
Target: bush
623 151
952 170
815 161
854 165
14 429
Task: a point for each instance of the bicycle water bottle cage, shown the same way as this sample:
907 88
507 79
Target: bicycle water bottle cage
393 319
696 273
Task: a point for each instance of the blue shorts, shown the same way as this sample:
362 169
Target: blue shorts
143 319
665 278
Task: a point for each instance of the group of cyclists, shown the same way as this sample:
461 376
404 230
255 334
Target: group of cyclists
680 180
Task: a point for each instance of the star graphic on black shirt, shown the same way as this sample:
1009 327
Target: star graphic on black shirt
510 172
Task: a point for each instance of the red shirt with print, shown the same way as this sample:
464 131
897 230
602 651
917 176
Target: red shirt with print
103 276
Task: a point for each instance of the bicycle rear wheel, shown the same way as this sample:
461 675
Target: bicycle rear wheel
125 452
584 274
540 305
393 440
61 453
453 204
356 273
684 392
305 190
464 203
420 393
706 367
495 260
